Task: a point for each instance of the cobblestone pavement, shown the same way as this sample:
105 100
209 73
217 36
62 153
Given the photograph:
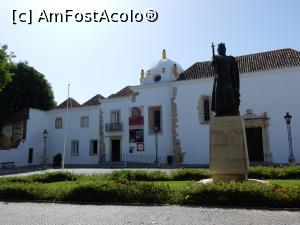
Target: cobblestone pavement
64 214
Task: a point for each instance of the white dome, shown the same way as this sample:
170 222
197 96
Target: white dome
162 71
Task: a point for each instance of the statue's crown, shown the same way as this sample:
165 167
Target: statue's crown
221 45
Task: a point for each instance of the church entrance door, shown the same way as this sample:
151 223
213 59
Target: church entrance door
255 144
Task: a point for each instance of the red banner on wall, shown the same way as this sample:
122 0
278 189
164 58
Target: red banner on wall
133 121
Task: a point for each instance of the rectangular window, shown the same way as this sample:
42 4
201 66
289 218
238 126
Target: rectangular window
115 116
93 147
75 148
84 121
58 123
204 109
155 119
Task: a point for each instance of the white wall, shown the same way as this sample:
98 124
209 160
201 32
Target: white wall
194 136
36 124
55 141
149 95
122 105
157 95
274 92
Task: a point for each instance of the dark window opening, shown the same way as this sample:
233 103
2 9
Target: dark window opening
94 147
206 110
30 155
157 78
157 119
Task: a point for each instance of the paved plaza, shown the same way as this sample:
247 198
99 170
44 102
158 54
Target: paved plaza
64 214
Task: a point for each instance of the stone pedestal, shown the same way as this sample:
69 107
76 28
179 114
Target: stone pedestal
228 149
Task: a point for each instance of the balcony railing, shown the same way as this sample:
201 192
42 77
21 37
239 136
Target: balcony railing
111 127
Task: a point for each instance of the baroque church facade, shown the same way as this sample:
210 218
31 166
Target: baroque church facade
165 117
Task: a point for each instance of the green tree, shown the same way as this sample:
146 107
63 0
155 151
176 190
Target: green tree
28 89
5 66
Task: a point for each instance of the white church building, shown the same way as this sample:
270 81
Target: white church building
166 116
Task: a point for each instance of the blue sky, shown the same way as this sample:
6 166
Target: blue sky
105 57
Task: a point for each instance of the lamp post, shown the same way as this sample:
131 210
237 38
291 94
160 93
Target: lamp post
45 133
156 129
288 119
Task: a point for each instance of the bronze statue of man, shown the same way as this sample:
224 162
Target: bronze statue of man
226 89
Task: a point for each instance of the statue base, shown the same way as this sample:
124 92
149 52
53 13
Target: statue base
228 149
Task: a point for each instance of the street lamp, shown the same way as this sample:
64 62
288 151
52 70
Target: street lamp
288 119
156 130
45 133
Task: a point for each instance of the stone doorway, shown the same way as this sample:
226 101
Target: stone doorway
255 144
257 136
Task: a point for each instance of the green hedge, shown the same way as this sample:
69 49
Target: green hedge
122 187
42 178
139 175
215 194
176 175
102 192
241 194
190 174
107 192
259 172
283 172
30 191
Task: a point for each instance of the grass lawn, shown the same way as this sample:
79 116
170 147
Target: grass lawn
179 185
176 185
285 182
67 185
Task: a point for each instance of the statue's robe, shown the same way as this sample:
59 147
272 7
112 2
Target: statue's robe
225 95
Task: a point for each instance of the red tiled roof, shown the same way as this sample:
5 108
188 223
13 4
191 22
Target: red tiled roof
271 60
72 104
96 100
126 91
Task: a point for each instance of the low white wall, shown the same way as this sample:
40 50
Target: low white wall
36 124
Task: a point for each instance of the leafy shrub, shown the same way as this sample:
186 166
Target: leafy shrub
190 174
43 178
53 177
108 192
241 194
144 192
259 172
98 192
139 175
29 191
16 191
98 189
57 158
283 172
